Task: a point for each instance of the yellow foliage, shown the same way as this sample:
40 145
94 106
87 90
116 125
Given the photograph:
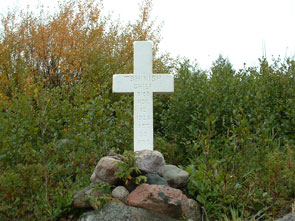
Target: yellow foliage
55 49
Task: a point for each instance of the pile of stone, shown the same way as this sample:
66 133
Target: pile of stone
160 198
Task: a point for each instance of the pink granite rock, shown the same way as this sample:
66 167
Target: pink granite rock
158 198
149 161
105 171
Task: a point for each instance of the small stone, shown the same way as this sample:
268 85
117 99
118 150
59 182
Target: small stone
80 198
149 161
194 212
175 176
153 178
105 171
161 199
95 195
120 193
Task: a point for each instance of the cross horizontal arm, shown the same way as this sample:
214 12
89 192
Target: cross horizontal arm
122 83
129 83
163 83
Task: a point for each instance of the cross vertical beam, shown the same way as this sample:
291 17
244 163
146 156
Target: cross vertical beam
143 110
143 83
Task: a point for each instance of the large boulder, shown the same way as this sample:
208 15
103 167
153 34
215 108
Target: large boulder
175 176
158 198
149 161
118 211
105 170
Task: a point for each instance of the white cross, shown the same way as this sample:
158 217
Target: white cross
143 83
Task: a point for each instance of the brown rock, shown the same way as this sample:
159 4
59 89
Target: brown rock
149 161
105 171
158 198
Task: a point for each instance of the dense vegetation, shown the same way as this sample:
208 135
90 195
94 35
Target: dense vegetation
234 131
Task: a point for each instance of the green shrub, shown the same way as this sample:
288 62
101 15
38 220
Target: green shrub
235 131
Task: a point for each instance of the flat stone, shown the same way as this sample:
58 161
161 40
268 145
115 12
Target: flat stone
120 193
149 161
114 211
161 199
105 171
175 176
153 178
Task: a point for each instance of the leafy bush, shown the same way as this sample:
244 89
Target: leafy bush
235 131
58 116
128 170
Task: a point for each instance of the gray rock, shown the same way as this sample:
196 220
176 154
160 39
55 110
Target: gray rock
288 217
118 212
149 161
94 195
153 178
80 200
105 171
194 212
175 176
120 193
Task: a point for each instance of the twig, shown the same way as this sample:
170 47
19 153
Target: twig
204 213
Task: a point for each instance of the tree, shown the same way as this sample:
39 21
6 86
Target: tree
62 48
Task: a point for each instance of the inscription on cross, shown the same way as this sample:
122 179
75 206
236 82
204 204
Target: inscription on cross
143 83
